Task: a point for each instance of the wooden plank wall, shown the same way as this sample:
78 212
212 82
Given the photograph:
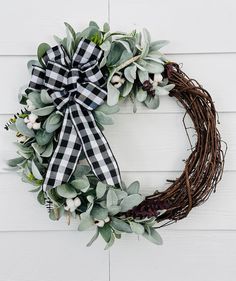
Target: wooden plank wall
201 247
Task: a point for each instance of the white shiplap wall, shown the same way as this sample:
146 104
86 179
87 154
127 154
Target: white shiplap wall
201 247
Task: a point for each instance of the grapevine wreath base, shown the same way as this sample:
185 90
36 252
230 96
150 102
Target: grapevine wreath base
74 88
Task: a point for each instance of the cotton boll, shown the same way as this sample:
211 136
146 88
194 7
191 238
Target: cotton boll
77 202
107 219
36 126
30 125
32 118
100 223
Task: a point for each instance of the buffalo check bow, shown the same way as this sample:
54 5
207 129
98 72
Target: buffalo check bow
77 87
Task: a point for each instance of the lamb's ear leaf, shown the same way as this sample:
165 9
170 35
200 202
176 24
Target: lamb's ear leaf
95 236
42 49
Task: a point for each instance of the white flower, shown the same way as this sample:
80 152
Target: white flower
117 81
31 122
30 105
72 204
157 79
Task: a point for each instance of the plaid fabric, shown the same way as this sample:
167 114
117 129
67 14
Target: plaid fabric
76 87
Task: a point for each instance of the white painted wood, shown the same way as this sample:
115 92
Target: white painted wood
154 142
20 211
192 27
211 70
48 256
201 247
185 255
26 24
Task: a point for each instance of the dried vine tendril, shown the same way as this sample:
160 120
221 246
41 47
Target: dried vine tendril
203 168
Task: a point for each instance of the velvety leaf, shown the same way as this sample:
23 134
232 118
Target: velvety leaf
42 137
15 161
154 67
100 189
23 129
137 228
95 236
121 225
44 111
102 118
66 191
111 198
105 232
45 98
141 95
107 109
153 236
35 98
41 197
152 102
81 170
99 213
42 49
133 188
131 201
130 73
53 122
35 171
86 222
81 184
112 95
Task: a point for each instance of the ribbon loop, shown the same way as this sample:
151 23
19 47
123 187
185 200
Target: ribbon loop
76 87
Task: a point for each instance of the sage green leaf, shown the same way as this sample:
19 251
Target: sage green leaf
105 232
54 196
131 201
37 189
48 151
115 53
44 111
99 213
35 171
133 188
38 148
66 191
152 102
102 118
41 197
143 75
146 42
42 137
35 98
112 199
111 242
157 45
154 67
113 210
120 225
107 109
126 89
53 216
31 63
15 161
112 95
106 27
130 73
100 189
81 170
120 194
45 98
141 95
81 184
42 49
95 236
23 129
137 228
53 122
86 222
153 236
71 30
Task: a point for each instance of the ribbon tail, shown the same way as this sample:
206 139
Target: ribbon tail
65 157
95 146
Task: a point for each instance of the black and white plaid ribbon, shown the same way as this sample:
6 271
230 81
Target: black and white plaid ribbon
77 87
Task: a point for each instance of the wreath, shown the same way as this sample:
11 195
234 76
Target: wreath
74 89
